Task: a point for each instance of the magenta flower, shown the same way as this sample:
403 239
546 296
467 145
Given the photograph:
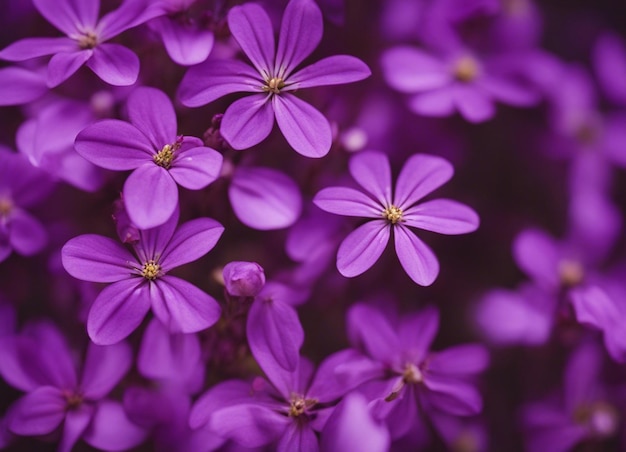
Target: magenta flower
149 145
21 186
39 362
85 40
140 279
439 85
249 120
420 175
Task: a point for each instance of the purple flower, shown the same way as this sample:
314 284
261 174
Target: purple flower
273 78
439 85
407 374
39 362
140 279
19 86
150 146
585 410
21 186
187 41
243 279
395 211
85 40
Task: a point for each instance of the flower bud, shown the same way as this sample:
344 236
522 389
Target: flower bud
243 279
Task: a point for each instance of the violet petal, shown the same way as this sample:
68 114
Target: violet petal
152 112
347 201
39 412
153 207
115 64
111 429
186 45
411 70
249 425
104 368
247 121
444 216
118 311
417 259
420 175
196 168
334 70
28 48
191 241
251 27
76 422
300 33
69 16
26 234
296 436
362 248
372 172
63 65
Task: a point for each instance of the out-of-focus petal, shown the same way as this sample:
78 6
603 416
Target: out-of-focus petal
461 360
38 412
19 86
186 45
306 129
70 16
453 396
416 257
111 429
437 103
411 70
28 48
537 255
362 248
474 105
26 234
115 64
76 422
104 368
298 437
370 329
264 199
249 425
118 311
417 332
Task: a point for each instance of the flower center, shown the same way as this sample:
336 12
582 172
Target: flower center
6 206
88 40
466 69
411 375
274 85
393 214
151 270
600 417
164 157
571 272
72 399
299 405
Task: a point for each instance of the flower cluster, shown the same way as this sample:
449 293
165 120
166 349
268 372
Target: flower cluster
197 200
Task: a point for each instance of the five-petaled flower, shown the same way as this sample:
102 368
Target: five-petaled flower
274 78
420 175
140 280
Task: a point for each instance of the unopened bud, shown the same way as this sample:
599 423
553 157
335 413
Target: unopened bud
243 279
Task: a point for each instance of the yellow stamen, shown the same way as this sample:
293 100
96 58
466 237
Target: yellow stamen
6 206
466 69
393 214
151 270
571 272
88 40
164 157
274 85
299 405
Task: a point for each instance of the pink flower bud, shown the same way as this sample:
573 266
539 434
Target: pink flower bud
243 279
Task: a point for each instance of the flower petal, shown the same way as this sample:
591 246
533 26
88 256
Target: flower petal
420 175
473 104
306 129
370 330
181 306
26 234
153 241
118 311
298 437
411 70
19 86
275 334
461 360
150 195
114 144
248 121
249 425
537 254
334 70
417 332
362 248
416 257
152 112
38 412
63 65
186 45
104 368
251 27
226 393
443 216
372 172
197 167
300 33
28 48
111 429
191 241
115 64
96 258
347 201
453 396
213 79
264 199
76 422
437 103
